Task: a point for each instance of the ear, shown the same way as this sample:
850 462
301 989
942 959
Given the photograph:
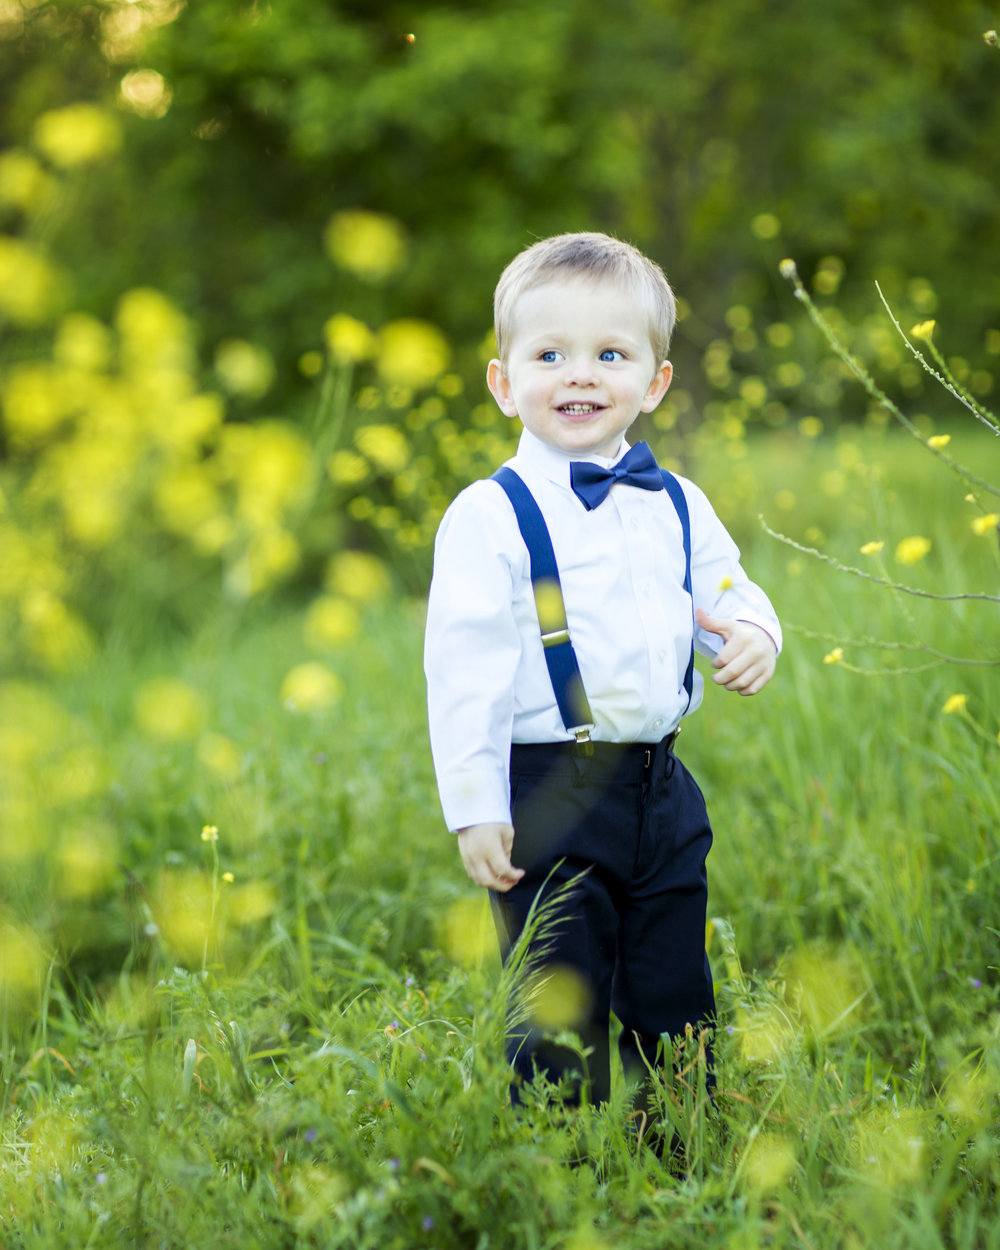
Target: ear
499 384
658 387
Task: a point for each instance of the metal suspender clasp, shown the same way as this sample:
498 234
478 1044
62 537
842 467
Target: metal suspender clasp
555 638
584 745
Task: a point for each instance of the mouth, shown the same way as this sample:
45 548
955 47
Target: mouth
580 410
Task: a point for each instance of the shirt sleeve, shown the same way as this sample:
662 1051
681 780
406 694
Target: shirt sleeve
718 582
471 652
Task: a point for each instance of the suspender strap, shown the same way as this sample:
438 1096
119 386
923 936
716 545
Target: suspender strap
676 493
564 670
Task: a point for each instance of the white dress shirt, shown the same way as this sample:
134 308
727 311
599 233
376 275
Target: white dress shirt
629 616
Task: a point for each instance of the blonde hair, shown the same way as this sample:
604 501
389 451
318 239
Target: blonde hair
585 255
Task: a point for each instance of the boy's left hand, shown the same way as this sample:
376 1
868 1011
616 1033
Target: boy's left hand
747 660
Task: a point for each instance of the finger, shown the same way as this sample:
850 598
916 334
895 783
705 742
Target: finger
714 624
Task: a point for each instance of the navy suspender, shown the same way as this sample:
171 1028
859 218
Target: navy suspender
564 670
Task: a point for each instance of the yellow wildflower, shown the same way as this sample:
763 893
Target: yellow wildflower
923 330
955 703
872 548
347 468
23 181
169 709
412 353
30 288
986 524
369 245
78 135
348 339
245 368
210 833
835 656
357 575
912 550
811 427
937 441
310 687
330 622
385 446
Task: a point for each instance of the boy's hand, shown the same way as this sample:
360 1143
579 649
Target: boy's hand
486 855
747 660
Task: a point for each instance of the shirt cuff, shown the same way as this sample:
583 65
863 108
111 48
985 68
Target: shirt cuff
474 797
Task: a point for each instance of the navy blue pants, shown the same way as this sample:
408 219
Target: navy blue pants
629 824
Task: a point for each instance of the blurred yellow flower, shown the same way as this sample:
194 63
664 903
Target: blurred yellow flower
185 497
85 859
811 427
219 755
77 135
348 339
31 289
271 466
153 331
252 902
23 182
937 441
210 833
347 468
310 687
330 622
54 634
872 548
923 330
912 550
82 342
986 524
245 368
369 245
169 709
412 353
36 402
955 703
769 1162
385 446
357 575
835 656
271 555
146 92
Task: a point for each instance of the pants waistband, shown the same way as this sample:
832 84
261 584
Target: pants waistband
619 761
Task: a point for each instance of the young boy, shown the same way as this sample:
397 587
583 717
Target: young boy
553 721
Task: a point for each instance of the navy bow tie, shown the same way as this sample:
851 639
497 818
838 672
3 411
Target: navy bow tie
637 467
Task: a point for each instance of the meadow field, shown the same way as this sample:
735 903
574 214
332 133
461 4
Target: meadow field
249 998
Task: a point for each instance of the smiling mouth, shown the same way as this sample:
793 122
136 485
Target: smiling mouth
580 410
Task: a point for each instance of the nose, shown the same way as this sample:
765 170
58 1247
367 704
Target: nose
580 371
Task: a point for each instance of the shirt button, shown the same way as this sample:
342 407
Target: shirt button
658 723
661 655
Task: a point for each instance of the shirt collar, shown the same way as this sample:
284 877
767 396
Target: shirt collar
555 463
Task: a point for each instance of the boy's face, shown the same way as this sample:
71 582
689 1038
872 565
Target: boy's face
580 367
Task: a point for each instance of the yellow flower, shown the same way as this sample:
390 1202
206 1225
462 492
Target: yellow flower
937 441
310 687
412 353
385 446
357 575
369 245
245 368
872 548
347 468
30 288
923 330
834 656
210 833
78 135
23 181
330 622
912 550
986 524
348 339
955 703
169 709
811 427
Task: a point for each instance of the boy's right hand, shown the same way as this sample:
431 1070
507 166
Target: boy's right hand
485 853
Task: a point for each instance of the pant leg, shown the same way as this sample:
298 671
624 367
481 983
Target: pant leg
663 981
576 825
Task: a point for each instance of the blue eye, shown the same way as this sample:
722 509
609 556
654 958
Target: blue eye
611 354
548 358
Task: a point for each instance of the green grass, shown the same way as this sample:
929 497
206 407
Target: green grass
311 1055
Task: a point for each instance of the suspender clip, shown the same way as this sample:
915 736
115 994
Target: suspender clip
584 746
